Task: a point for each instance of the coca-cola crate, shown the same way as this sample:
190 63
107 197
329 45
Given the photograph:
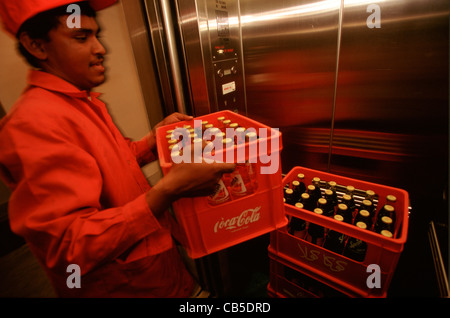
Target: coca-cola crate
208 227
288 281
335 269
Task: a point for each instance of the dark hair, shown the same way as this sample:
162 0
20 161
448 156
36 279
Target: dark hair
38 26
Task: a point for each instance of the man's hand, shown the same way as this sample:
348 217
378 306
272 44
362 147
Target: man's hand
186 180
172 119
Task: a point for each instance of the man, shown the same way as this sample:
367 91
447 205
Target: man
78 193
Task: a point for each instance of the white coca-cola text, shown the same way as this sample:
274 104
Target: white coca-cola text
246 217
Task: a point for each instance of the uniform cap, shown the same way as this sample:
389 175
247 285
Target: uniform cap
14 13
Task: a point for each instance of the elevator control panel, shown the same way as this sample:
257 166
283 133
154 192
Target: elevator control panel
224 32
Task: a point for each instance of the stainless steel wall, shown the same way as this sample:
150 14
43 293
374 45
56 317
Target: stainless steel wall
370 103
290 54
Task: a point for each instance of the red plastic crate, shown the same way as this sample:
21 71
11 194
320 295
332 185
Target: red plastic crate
288 281
209 228
335 269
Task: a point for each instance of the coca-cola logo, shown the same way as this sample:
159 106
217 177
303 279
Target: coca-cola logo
238 222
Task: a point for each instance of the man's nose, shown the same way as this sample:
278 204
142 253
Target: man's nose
98 48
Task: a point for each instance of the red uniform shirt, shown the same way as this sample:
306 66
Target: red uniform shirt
78 196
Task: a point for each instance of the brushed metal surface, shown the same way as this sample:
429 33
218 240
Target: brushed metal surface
290 50
154 18
392 94
193 25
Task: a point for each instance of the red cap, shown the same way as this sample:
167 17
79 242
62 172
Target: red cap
15 12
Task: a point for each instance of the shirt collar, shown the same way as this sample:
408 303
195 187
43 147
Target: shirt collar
54 83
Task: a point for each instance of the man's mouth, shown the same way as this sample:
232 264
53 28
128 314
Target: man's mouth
98 65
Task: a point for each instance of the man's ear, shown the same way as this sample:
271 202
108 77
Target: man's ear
34 46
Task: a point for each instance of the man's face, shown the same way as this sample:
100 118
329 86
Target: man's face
75 54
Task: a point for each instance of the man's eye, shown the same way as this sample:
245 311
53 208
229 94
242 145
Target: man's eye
81 38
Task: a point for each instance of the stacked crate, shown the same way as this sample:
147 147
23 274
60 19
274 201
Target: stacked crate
300 268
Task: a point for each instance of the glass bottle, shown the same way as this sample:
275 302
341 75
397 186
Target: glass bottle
384 223
368 206
364 216
315 233
345 212
307 201
289 196
327 208
356 248
301 180
332 187
297 226
335 241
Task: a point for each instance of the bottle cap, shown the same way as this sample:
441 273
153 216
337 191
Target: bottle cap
386 233
305 196
233 125
289 191
342 206
318 211
299 205
370 193
328 192
389 208
338 217
301 176
174 153
367 202
295 183
311 187
350 188
220 118
332 183
227 142
364 213
391 198
386 219
361 225
174 147
346 197
251 135
316 179
322 201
